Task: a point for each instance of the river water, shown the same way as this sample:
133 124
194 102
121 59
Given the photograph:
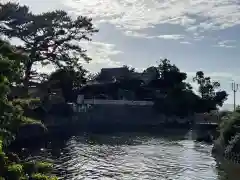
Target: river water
130 156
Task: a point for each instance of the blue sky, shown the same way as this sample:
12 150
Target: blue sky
193 34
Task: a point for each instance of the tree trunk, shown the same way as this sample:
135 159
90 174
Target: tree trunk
27 78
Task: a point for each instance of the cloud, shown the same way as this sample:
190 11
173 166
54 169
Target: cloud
185 42
135 34
170 36
225 79
226 44
144 35
218 76
133 15
101 54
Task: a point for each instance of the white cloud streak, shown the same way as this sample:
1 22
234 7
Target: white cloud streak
101 54
226 44
221 76
170 36
135 15
144 35
185 42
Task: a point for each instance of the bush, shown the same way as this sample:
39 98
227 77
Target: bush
27 103
3 159
39 176
229 126
30 167
13 158
44 167
14 172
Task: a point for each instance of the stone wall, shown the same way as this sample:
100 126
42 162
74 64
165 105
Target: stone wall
126 114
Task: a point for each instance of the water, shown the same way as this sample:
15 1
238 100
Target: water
134 157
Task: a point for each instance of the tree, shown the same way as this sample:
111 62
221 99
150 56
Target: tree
208 89
48 38
130 69
168 77
11 119
67 79
152 72
10 116
92 76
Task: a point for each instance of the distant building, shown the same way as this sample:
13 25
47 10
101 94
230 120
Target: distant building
109 85
110 74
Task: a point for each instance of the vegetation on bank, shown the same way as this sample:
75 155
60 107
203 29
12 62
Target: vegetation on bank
11 119
228 141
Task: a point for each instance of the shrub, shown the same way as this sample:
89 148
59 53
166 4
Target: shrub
30 167
228 126
3 159
39 176
14 171
27 103
44 167
13 158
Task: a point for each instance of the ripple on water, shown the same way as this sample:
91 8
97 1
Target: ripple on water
135 157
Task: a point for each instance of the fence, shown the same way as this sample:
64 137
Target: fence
117 102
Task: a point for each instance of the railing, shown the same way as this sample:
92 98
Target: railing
117 102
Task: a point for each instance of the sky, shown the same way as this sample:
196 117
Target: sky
193 34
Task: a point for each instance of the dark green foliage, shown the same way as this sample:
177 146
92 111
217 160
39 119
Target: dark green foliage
13 158
30 167
229 126
211 97
10 116
66 80
44 167
229 129
14 172
48 38
33 167
177 97
39 176
11 119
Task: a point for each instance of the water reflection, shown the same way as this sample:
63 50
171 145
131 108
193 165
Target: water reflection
135 156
